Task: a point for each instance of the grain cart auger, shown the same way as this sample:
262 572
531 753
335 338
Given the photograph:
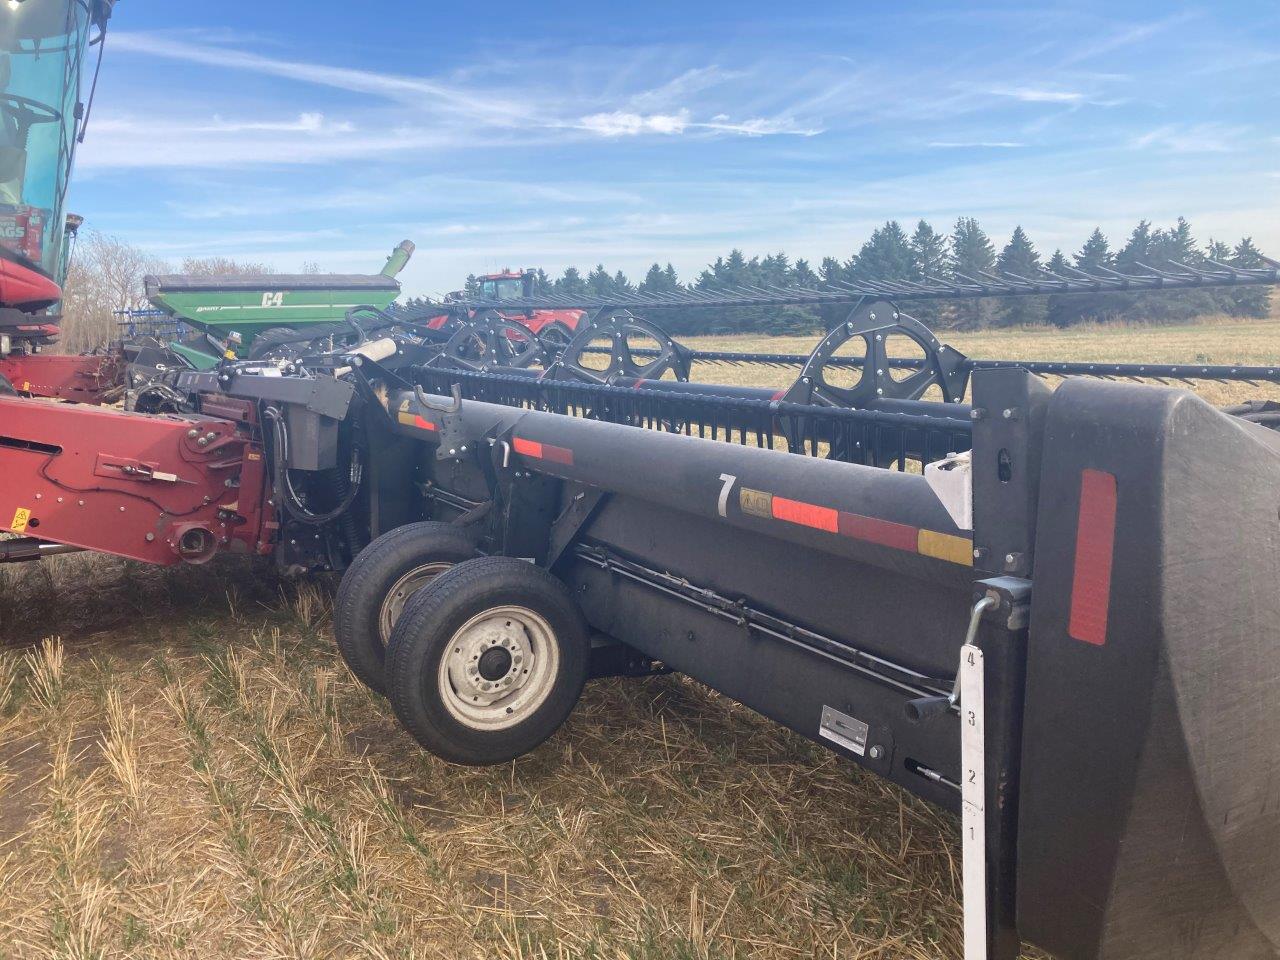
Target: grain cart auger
1061 629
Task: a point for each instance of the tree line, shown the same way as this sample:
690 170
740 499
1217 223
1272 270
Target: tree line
891 253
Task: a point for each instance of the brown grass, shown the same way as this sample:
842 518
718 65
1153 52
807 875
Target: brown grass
217 785
191 772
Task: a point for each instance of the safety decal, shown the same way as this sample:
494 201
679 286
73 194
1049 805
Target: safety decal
20 520
415 420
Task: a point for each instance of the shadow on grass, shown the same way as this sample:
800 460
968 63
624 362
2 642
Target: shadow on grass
84 593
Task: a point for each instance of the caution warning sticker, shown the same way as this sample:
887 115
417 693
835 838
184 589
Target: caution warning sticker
20 520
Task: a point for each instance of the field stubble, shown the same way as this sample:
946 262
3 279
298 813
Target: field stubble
193 772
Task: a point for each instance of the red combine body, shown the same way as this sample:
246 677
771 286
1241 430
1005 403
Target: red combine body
160 489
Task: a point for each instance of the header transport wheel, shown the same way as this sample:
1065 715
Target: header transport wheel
487 661
381 580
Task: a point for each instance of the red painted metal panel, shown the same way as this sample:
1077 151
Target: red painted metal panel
131 484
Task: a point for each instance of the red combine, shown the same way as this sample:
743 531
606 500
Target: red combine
42 51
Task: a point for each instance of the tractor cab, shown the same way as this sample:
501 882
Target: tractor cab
507 285
42 52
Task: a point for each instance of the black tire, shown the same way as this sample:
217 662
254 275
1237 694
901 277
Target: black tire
461 615
369 582
270 340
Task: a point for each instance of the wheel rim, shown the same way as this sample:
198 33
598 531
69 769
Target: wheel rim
401 591
499 667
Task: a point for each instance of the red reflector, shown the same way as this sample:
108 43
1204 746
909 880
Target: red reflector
527 447
543 451
557 454
1095 542
884 532
422 424
806 514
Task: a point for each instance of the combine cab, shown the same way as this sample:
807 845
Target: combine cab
42 51
42 48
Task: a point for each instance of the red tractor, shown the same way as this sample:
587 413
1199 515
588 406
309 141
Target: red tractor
553 326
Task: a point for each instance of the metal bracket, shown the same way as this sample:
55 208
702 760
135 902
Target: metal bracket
583 505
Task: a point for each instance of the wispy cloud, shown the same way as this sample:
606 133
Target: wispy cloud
965 144
1127 35
1038 94
622 123
1195 138
220 143
392 86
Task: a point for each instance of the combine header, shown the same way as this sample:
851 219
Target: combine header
1050 611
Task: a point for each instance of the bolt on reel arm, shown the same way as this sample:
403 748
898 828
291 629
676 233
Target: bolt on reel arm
492 341
900 359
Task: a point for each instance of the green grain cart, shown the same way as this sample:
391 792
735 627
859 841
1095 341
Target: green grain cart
245 307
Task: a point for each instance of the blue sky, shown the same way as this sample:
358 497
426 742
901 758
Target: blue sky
570 133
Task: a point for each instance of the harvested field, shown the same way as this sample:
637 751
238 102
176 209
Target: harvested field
188 770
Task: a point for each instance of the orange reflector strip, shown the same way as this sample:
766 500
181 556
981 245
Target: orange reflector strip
1095 548
806 514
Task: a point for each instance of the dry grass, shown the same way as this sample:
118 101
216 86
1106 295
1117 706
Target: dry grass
214 783
196 774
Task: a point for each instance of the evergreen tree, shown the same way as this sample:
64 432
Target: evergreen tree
929 252
653 280
571 283
832 271
1169 249
971 254
1019 258
599 282
1249 301
472 287
802 274
930 257
672 281
1095 253
1095 257
1059 311
1137 250
621 285
886 256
